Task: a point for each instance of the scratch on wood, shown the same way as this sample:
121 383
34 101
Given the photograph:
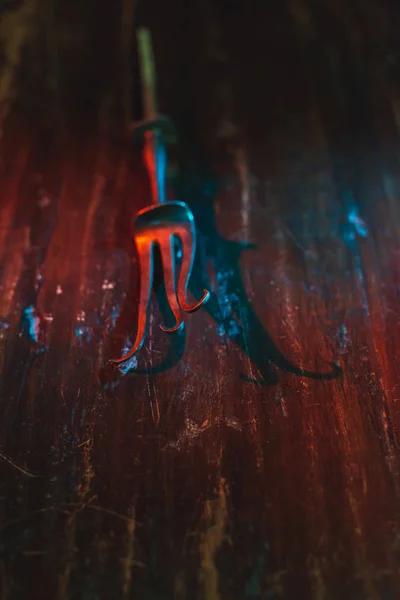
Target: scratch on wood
317 579
216 519
84 443
64 577
8 460
128 560
88 473
70 548
154 406
107 511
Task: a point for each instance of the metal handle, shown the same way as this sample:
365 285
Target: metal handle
154 151
147 73
155 158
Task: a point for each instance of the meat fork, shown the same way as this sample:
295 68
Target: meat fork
163 221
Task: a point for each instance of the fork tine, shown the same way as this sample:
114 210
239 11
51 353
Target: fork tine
167 255
145 251
187 235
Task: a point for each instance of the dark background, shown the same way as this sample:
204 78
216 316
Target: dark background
256 454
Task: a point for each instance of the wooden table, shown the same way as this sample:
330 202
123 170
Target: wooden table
255 455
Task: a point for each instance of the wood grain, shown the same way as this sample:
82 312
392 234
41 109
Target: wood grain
255 455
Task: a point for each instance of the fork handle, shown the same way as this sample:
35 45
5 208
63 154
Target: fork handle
155 158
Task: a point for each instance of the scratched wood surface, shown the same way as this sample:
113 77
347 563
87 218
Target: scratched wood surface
256 454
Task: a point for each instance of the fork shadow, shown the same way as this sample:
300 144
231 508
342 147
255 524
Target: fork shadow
235 320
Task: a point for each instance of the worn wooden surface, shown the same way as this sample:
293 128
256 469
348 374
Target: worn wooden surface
256 455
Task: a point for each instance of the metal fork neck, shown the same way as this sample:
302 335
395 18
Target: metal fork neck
155 158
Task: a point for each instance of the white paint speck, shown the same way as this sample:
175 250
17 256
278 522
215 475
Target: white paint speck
108 285
44 201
